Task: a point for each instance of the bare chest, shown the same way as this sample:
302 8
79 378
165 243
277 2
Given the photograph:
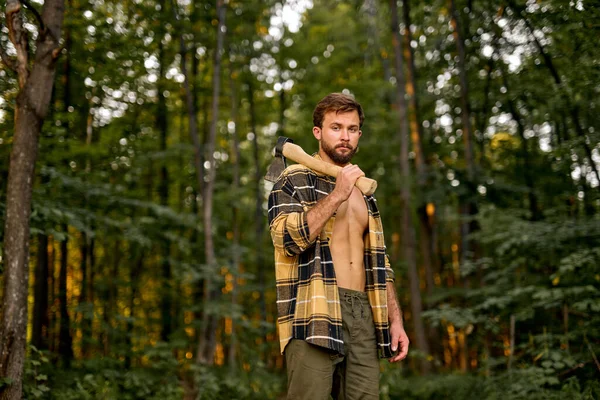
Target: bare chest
353 213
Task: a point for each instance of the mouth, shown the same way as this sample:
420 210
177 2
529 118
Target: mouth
343 146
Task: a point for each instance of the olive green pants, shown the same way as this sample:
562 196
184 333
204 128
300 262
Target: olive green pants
315 373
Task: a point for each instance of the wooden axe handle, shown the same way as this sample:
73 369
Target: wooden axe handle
295 153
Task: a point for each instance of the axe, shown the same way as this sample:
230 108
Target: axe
286 148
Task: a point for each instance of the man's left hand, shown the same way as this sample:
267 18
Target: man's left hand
399 339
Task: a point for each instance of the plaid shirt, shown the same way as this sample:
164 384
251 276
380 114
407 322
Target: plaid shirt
308 303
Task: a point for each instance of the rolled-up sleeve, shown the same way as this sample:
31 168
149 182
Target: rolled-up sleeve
287 220
390 276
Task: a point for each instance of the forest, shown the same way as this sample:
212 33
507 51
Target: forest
135 254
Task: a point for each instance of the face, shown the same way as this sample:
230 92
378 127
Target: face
338 138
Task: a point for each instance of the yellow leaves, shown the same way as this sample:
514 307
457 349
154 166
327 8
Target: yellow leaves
228 283
219 354
504 140
430 209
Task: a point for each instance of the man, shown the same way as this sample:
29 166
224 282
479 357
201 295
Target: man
337 306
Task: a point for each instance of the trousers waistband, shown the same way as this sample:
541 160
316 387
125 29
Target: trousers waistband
353 293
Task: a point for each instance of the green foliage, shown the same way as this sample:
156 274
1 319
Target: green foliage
222 384
521 384
36 384
102 157
108 379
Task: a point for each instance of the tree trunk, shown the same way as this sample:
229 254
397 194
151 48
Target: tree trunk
31 107
416 129
65 341
90 291
408 234
110 299
534 209
566 326
485 109
84 306
464 92
236 257
467 208
191 110
416 134
207 345
39 330
259 219
134 280
512 342
190 103
163 191
52 296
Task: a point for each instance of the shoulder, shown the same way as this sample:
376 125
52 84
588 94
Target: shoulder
296 173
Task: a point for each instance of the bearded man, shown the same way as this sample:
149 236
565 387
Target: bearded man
337 307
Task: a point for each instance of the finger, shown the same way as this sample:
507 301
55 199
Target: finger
400 356
357 174
396 358
403 351
395 338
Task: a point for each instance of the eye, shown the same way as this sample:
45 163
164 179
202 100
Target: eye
335 128
353 130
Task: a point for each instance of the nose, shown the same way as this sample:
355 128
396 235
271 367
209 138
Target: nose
345 135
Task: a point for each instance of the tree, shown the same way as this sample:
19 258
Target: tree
35 88
206 347
408 234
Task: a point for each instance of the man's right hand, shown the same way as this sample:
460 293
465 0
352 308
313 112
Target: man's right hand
345 181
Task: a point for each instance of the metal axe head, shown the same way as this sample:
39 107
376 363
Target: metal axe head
278 164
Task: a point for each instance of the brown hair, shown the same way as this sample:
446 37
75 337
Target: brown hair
338 103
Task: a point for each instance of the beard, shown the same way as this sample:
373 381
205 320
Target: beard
340 159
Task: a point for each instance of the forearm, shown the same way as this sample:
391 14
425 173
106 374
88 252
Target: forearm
320 214
394 310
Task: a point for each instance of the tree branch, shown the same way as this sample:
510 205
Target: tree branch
37 15
9 62
592 351
19 38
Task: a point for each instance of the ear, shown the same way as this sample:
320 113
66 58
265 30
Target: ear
359 133
317 132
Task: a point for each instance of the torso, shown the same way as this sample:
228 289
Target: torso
347 246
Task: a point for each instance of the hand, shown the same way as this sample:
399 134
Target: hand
399 337
345 181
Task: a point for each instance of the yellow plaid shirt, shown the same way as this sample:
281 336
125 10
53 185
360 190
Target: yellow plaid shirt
308 301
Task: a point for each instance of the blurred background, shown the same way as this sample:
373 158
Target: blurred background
151 271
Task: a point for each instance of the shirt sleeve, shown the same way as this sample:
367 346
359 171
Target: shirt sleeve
390 276
287 219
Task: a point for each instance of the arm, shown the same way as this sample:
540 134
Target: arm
318 216
397 331
292 228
